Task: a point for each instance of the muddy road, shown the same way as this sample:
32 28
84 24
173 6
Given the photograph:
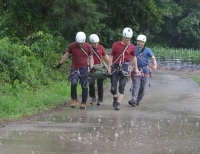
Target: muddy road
167 121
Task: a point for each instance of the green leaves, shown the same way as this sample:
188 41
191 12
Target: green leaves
190 24
19 65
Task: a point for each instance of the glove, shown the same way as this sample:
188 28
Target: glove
59 65
92 70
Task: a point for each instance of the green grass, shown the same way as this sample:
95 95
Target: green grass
185 55
25 104
196 78
30 103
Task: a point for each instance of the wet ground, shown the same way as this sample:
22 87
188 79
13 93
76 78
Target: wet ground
166 122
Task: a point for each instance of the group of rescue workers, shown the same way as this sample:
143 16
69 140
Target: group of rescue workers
125 61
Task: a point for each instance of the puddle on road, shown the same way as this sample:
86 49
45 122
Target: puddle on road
80 133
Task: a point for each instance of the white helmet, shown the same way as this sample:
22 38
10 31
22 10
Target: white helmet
80 37
141 38
94 38
127 32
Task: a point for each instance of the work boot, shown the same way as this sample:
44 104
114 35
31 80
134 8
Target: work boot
114 101
132 103
117 106
99 102
93 100
83 106
73 104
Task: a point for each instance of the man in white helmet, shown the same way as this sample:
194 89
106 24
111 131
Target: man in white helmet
122 53
82 59
139 81
98 54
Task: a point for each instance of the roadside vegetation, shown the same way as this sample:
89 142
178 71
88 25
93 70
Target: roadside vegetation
196 78
34 35
183 55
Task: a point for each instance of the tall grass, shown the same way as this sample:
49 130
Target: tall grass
30 103
27 103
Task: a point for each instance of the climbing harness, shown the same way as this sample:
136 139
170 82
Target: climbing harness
102 62
121 63
82 49
77 73
141 73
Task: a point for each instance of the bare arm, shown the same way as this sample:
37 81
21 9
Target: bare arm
106 58
134 60
91 61
154 62
64 58
109 64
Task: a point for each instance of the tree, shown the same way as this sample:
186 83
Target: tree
21 18
142 17
171 13
181 28
76 15
188 29
65 17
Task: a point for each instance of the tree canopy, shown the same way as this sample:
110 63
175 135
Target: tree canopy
168 22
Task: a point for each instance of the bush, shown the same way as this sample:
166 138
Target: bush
18 62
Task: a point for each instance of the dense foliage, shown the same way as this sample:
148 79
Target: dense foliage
35 33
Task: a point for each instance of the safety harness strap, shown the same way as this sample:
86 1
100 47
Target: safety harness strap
82 49
96 54
122 53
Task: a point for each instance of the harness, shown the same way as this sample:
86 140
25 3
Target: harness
121 63
77 74
122 54
141 68
102 62
82 49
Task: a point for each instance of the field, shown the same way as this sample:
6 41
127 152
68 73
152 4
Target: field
177 55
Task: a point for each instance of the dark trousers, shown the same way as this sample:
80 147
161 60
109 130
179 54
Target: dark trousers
79 76
118 76
99 88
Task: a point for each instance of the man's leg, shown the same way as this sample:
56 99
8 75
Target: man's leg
74 82
136 87
144 81
100 91
121 88
92 91
84 85
113 90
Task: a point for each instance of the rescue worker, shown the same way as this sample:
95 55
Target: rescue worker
122 53
82 60
98 53
139 81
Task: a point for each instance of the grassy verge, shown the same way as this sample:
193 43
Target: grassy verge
30 103
196 78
